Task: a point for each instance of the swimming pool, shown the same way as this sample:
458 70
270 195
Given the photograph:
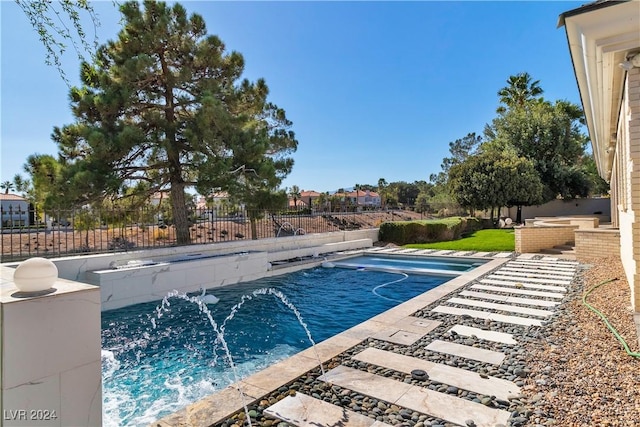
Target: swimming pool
150 372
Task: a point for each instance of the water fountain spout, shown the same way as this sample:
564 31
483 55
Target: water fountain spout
287 226
218 331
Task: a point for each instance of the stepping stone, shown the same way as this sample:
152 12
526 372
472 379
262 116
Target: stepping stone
510 299
461 253
306 411
407 331
444 252
481 254
539 264
538 273
526 256
501 307
439 405
547 277
469 331
425 251
495 280
542 268
558 261
515 320
506 276
516 291
468 352
503 255
441 373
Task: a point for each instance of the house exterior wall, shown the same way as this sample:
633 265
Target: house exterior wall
604 45
15 213
627 184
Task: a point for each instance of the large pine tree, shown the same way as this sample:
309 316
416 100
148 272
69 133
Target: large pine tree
164 105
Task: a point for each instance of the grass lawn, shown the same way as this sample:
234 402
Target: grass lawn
482 240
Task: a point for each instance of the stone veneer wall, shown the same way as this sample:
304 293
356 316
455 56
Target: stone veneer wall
535 239
597 243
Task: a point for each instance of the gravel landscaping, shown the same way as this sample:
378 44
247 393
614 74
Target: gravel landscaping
581 376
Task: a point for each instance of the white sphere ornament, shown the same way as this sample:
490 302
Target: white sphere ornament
35 275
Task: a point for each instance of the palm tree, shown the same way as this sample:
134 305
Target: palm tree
20 184
382 185
7 186
519 91
294 193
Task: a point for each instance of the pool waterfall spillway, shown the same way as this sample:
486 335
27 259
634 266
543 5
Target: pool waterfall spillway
136 281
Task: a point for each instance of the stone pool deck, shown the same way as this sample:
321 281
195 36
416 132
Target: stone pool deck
464 336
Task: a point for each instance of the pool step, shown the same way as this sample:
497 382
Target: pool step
306 411
447 407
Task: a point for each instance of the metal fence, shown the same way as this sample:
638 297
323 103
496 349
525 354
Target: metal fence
73 232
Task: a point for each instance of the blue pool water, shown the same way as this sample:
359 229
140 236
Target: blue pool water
150 372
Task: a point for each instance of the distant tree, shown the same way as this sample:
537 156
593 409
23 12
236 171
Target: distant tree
550 136
20 184
294 193
493 178
460 149
382 191
47 190
7 186
163 105
597 185
422 202
519 91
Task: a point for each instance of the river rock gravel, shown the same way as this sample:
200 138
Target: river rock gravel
581 376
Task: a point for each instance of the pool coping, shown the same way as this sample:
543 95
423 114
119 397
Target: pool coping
233 398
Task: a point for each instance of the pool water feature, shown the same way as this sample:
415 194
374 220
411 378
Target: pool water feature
150 372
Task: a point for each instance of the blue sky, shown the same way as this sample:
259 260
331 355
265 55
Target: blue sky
374 89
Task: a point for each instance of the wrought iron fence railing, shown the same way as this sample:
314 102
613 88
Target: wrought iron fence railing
73 232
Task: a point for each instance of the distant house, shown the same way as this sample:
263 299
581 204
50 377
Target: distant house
15 211
364 198
361 199
159 197
306 199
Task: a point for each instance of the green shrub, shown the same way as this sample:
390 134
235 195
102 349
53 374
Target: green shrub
427 231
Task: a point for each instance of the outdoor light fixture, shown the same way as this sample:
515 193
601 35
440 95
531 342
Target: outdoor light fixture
632 61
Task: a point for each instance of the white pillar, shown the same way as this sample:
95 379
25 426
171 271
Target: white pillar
50 365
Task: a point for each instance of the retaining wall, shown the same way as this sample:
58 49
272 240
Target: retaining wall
597 243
